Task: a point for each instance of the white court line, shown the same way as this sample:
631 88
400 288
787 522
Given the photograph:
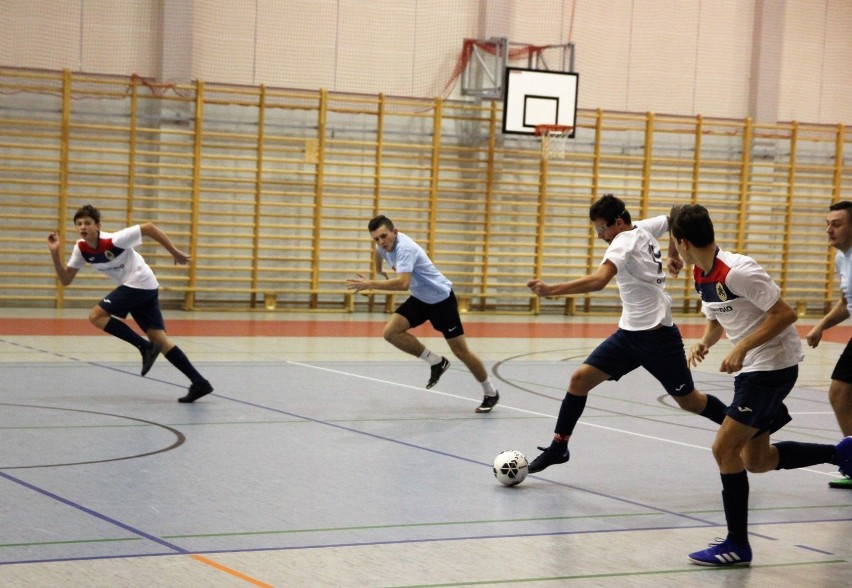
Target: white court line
531 412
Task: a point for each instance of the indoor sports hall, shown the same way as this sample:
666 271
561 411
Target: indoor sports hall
260 137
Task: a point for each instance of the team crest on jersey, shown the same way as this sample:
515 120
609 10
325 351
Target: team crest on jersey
720 292
109 255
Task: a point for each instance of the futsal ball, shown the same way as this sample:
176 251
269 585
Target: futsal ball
510 467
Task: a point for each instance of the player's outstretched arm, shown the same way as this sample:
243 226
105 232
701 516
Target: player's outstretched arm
398 284
63 272
590 283
157 234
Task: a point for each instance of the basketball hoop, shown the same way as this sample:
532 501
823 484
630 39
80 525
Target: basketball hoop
554 139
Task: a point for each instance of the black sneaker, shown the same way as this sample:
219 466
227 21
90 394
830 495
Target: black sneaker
196 391
437 371
488 402
555 454
149 356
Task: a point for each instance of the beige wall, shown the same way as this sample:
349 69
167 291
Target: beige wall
680 57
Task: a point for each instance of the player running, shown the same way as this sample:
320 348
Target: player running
431 299
137 293
741 300
646 335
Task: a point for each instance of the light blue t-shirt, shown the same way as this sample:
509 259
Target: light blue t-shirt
427 283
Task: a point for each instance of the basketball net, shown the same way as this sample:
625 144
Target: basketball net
554 139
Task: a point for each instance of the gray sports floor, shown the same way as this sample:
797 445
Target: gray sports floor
323 461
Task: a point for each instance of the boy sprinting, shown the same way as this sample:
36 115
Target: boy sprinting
137 293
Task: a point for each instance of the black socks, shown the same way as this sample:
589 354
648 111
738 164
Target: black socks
119 329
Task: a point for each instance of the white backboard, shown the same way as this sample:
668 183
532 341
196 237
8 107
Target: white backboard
536 97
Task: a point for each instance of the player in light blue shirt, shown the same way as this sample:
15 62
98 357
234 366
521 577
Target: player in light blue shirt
431 299
839 230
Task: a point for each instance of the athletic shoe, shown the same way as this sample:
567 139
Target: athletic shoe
437 371
844 456
488 402
149 356
555 454
845 482
723 552
196 391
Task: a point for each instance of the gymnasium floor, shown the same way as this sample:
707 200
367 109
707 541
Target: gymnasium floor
321 460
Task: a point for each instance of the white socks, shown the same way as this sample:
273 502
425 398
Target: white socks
430 358
488 388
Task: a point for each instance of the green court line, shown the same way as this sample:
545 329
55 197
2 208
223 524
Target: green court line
269 422
620 575
68 542
405 526
118 426
773 508
409 525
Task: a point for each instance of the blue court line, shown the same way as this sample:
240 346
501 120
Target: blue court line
93 513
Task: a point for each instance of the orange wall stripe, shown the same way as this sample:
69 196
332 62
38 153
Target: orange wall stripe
344 328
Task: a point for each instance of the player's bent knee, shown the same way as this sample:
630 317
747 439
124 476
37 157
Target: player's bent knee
722 453
98 318
758 464
692 402
584 379
390 335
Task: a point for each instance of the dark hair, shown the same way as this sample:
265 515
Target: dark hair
609 208
692 222
842 205
379 221
90 211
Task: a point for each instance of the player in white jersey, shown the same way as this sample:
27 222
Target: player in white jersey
739 298
839 230
646 336
137 293
431 299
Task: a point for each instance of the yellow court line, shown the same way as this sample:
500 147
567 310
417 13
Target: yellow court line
228 570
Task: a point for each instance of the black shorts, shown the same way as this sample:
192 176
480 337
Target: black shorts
660 351
843 369
142 305
759 398
443 315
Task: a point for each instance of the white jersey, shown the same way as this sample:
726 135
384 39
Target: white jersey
641 277
843 266
737 292
115 257
427 283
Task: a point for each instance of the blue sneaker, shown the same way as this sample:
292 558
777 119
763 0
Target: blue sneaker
844 457
723 552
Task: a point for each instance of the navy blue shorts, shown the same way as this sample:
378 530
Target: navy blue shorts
142 305
843 369
443 315
660 351
759 398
